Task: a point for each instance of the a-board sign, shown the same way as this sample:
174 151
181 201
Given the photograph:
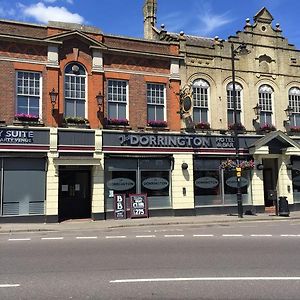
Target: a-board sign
138 205
120 206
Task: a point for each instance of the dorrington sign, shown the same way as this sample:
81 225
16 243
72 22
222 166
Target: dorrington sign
166 140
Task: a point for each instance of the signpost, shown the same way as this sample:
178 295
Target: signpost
120 206
138 206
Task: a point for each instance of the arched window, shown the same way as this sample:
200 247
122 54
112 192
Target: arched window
294 103
265 96
230 104
75 90
200 100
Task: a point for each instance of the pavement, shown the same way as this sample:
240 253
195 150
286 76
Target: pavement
88 224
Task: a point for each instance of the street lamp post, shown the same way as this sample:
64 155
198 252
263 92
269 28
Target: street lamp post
241 49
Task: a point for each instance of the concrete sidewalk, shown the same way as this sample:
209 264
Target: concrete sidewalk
88 224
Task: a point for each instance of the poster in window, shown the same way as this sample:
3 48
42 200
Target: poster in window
120 206
138 205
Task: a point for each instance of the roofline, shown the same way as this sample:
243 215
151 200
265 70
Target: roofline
23 23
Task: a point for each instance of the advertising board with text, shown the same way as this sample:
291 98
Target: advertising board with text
138 205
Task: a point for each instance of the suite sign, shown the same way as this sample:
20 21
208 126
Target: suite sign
14 136
166 140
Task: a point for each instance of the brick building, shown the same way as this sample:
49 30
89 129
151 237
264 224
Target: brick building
66 88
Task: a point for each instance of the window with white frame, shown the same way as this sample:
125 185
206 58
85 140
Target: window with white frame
155 102
294 103
230 104
265 95
75 90
200 100
28 93
117 94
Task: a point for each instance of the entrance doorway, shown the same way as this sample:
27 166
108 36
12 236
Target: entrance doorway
74 195
270 176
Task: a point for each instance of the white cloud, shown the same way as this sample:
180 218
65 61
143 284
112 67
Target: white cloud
43 14
209 22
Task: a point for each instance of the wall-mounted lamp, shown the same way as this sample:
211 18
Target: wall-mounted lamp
260 167
100 99
257 111
288 111
53 97
184 166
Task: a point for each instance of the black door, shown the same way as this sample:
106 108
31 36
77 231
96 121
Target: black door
270 177
74 195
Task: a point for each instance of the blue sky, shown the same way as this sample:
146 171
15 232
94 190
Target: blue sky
124 17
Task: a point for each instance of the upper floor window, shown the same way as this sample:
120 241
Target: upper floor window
200 100
294 103
265 96
28 93
230 104
155 102
117 94
75 90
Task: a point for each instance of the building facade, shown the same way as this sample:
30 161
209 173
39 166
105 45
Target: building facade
260 69
87 117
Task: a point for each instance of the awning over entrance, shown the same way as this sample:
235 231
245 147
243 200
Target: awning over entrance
77 161
275 142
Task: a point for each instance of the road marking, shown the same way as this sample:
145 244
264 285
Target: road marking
202 235
173 235
145 236
231 235
52 238
261 235
86 237
25 239
8 285
289 235
206 279
116 237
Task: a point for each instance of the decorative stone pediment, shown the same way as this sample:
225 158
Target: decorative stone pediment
263 16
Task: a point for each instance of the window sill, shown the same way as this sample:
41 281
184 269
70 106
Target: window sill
150 128
119 127
76 125
28 123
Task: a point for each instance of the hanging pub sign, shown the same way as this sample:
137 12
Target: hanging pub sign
138 205
120 206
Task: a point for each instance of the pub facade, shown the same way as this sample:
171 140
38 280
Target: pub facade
88 119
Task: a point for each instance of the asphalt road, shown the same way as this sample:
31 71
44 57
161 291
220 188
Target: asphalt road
257 260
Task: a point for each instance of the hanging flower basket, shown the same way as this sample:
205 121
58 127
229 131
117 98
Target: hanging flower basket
117 122
202 125
157 123
230 164
26 117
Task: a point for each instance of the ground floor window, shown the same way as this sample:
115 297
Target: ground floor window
215 186
22 186
151 176
296 185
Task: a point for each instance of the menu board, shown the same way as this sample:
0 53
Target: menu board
120 206
138 205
